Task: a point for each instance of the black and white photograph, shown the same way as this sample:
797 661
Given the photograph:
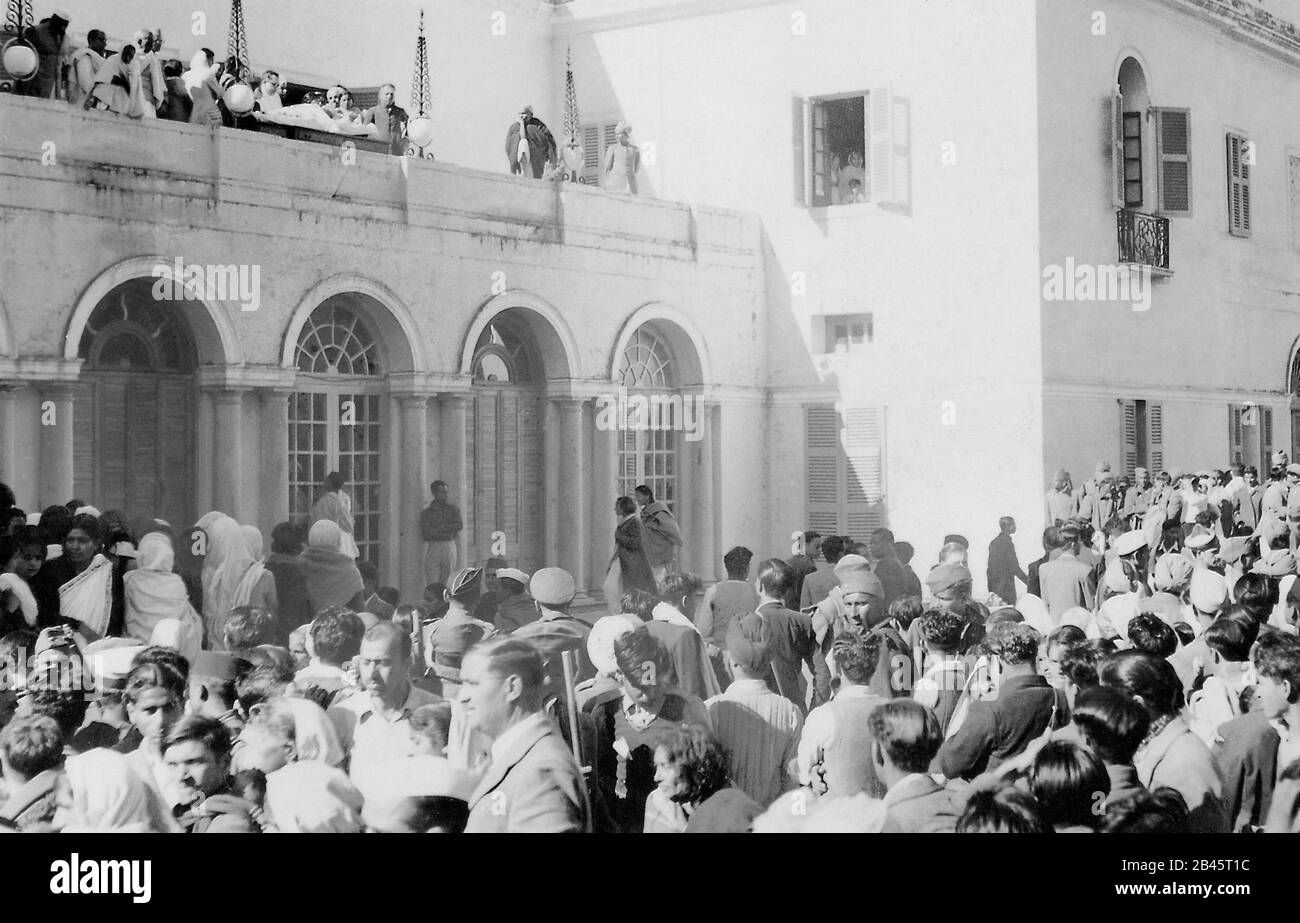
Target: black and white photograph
651 416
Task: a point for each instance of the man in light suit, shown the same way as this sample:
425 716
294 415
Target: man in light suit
532 784
905 736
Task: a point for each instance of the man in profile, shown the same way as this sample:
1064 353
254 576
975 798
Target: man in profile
1004 566
532 784
440 523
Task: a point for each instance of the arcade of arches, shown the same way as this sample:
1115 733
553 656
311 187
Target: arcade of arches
161 422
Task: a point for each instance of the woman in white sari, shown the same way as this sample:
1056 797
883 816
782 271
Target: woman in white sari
155 594
116 83
82 584
232 577
336 506
100 793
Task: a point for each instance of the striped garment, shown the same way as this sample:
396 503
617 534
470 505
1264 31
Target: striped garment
760 730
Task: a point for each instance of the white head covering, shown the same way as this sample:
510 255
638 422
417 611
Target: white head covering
1036 615
414 777
325 533
253 536
600 642
313 733
110 797
312 797
226 564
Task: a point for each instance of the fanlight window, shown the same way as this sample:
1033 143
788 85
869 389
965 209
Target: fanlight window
335 341
130 331
501 355
647 363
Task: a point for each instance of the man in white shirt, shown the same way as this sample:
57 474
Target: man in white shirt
374 723
268 93
834 750
84 65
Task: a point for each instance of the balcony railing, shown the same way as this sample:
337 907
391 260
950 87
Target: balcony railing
1143 239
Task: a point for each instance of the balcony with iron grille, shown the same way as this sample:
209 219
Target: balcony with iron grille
1143 240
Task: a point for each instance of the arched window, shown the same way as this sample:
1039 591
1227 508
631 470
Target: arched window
334 341
502 355
648 447
335 419
130 331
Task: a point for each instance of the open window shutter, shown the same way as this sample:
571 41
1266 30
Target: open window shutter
1174 161
1116 124
1155 436
1265 435
1128 436
1234 433
799 126
822 441
591 155
1238 187
880 143
864 481
821 160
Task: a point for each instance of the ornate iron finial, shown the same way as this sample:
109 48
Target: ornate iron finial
421 95
19 16
237 44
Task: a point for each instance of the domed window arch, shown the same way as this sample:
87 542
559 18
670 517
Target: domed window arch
647 455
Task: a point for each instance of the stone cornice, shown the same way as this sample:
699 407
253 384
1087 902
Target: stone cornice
37 370
598 15
246 377
1118 390
1246 22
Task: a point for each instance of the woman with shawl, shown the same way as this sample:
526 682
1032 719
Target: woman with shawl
81 585
100 793
231 577
154 594
21 558
330 575
116 82
204 90
336 506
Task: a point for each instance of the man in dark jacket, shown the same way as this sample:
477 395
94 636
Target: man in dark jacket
389 118
999 728
1004 568
791 644
530 146
290 586
440 523
663 536
196 754
886 566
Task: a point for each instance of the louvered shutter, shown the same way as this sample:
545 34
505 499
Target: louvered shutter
1234 433
1128 436
887 138
526 550
798 127
591 155
142 444
1155 436
1115 123
1238 187
84 454
1174 161
821 161
864 483
1265 435
111 427
822 444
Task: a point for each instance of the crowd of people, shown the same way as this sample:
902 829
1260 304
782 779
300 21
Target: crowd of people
187 681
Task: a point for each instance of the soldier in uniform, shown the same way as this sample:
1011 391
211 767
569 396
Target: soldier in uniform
555 630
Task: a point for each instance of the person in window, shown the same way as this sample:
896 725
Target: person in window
335 506
856 195
852 172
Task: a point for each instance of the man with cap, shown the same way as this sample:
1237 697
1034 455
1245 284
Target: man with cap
212 688
1131 546
1138 498
818 584
447 639
556 631
622 160
47 37
532 784
758 727
950 584
1277 492
1004 567
515 608
1103 502
1066 581
856 605
108 662
1170 578
416 794
1206 594
374 723
530 146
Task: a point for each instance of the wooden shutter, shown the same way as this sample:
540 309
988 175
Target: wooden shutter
591 160
1265 435
1174 161
1234 433
84 454
1238 187
821 160
798 127
888 147
1115 125
1128 436
822 445
863 475
1155 437
526 550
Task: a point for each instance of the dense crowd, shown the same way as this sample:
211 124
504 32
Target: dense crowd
170 680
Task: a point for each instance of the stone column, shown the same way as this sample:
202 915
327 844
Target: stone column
550 483
603 491
56 444
705 510
228 459
273 465
410 495
455 466
9 435
572 491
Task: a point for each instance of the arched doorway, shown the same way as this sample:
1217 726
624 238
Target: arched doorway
335 416
504 443
648 455
135 401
